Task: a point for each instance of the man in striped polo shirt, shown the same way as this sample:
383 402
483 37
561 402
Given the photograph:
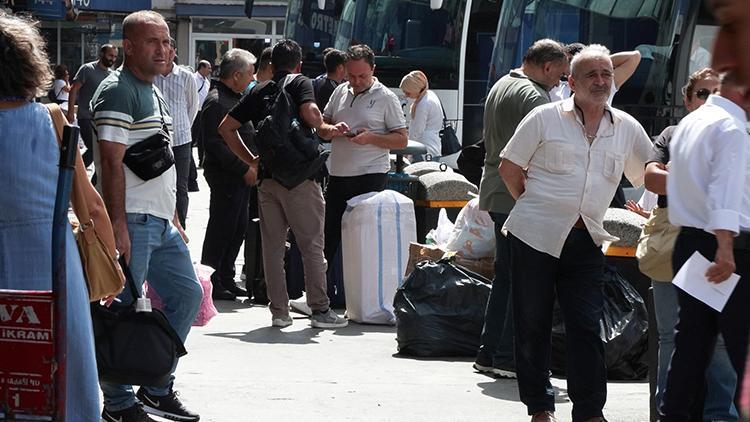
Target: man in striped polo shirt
128 109
177 84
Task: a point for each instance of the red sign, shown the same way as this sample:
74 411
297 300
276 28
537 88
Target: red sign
27 354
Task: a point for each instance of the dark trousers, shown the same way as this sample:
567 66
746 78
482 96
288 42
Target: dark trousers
227 222
196 133
338 191
699 324
576 277
497 334
87 134
182 154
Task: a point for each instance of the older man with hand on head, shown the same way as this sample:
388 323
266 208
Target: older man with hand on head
562 166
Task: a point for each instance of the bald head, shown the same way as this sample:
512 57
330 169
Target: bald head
132 23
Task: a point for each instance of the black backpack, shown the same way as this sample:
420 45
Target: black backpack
289 152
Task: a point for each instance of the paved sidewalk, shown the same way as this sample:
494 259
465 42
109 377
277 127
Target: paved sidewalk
241 369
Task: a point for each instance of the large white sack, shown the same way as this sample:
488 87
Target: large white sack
376 230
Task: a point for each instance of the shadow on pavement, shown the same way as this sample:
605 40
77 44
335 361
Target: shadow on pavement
507 389
434 359
272 335
355 329
229 306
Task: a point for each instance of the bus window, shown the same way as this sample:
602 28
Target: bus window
700 50
651 27
406 35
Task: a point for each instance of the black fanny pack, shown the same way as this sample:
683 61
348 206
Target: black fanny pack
151 157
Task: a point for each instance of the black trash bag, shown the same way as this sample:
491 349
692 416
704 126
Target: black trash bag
624 329
440 311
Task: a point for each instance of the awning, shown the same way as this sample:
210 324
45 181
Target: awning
228 10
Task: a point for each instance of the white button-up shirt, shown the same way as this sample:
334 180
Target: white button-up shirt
203 85
181 94
709 173
566 176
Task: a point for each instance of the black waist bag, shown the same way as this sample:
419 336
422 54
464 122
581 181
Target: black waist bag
134 348
151 157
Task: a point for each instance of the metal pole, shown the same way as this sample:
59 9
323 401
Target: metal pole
60 228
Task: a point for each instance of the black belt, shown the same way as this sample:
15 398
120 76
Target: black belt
741 242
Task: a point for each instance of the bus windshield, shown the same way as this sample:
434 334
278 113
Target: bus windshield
406 35
313 29
650 26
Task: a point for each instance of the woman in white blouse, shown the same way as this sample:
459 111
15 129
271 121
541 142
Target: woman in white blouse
61 86
426 112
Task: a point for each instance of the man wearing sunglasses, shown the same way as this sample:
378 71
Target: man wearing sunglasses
709 197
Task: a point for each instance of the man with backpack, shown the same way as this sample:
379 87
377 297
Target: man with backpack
284 113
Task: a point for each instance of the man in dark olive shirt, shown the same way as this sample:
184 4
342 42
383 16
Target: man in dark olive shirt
228 177
300 208
334 61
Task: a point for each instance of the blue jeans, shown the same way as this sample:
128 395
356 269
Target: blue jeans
497 334
721 379
158 254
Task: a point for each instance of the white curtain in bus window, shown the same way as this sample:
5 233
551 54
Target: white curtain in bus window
700 50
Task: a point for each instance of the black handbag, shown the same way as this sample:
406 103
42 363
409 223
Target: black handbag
449 143
134 347
151 157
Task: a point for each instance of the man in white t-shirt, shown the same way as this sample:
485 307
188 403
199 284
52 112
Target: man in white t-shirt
374 124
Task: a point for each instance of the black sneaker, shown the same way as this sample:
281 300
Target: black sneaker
133 413
168 406
504 369
483 364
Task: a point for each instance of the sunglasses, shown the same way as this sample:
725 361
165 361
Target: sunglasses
703 93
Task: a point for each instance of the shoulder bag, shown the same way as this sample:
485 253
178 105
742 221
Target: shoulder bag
93 230
655 246
135 345
151 157
448 140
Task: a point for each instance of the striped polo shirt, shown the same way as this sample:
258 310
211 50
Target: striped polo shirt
128 110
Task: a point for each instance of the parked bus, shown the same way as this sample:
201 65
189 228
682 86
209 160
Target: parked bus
314 30
450 40
674 38
466 45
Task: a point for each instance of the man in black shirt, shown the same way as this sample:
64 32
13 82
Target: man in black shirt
228 177
334 61
301 208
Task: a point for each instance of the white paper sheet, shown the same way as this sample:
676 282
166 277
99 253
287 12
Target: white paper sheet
692 280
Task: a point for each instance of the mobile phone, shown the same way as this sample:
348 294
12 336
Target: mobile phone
351 134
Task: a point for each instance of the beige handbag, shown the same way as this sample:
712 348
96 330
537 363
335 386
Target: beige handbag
655 246
93 230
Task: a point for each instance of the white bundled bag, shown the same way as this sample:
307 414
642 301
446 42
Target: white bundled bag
474 233
376 230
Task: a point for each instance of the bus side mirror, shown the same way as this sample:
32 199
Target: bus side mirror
436 4
321 4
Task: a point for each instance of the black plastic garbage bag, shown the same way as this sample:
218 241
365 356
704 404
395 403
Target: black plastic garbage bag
624 329
440 311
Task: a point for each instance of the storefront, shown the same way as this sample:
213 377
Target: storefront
213 29
76 42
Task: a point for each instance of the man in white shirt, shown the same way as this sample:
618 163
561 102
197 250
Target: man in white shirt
709 196
562 166
203 82
181 94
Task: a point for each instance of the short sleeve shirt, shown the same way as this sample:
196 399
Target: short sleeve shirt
127 111
376 109
509 101
252 107
90 75
567 177
660 154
